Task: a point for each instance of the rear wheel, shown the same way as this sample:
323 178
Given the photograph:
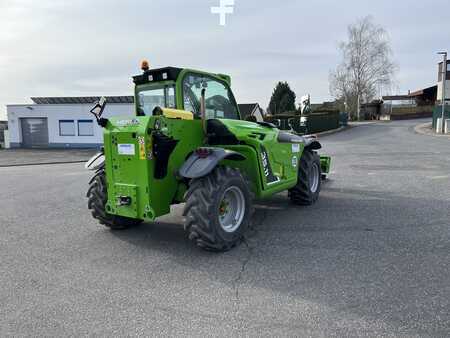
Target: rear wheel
97 197
307 190
218 209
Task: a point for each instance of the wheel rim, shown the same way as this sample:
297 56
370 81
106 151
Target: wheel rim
314 176
231 209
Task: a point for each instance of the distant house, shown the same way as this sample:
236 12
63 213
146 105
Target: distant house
416 104
422 97
61 122
371 110
251 109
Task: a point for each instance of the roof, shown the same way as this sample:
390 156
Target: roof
396 97
171 74
81 99
160 74
430 91
426 91
247 109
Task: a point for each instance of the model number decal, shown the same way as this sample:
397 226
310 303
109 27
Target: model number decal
265 162
126 149
125 123
270 177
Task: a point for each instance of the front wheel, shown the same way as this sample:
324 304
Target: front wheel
218 209
307 190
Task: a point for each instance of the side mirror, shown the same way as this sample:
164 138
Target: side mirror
277 123
98 108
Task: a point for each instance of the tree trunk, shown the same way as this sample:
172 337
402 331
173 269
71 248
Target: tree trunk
358 108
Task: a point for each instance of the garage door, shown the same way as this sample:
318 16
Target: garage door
34 132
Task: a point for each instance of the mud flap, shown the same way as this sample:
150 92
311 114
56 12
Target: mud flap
95 162
197 166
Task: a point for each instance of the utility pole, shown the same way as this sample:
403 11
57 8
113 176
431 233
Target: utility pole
444 80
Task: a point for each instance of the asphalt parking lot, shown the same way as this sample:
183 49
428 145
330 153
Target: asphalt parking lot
371 258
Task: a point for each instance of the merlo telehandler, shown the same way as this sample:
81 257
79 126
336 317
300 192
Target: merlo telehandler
186 143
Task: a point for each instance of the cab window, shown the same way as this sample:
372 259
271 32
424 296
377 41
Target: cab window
219 102
149 99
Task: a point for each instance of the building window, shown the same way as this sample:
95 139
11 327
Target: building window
66 128
85 128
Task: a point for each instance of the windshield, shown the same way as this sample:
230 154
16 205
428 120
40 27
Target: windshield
219 103
156 97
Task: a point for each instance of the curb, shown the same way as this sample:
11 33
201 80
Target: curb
39 163
429 132
334 131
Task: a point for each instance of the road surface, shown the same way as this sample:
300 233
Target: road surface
371 258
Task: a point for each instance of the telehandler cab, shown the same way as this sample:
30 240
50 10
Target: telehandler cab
188 144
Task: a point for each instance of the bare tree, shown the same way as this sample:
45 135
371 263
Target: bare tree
366 65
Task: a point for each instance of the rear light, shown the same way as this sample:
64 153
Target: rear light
203 152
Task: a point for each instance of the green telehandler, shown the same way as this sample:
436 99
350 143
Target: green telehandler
186 143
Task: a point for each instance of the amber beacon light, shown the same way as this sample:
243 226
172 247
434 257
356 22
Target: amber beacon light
145 65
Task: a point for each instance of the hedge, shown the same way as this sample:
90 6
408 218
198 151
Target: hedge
322 121
317 121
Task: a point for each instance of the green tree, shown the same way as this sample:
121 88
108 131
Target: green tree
282 100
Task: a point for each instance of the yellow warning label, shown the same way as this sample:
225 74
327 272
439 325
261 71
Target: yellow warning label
141 142
142 151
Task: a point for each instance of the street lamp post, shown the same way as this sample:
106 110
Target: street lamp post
444 80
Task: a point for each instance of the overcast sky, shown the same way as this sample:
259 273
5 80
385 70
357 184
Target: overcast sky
90 47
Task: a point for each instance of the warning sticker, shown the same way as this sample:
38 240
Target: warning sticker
295 148
126 149
141 142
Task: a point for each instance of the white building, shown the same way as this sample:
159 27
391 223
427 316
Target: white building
61 122
65 122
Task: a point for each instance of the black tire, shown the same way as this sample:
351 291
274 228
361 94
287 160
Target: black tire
97 198
306 192
204 204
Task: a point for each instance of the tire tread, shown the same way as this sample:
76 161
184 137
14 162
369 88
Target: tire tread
199 209
97 197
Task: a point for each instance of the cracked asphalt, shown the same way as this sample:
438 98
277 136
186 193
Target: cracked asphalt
371 258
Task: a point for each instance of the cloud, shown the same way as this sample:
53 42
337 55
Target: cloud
61 47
